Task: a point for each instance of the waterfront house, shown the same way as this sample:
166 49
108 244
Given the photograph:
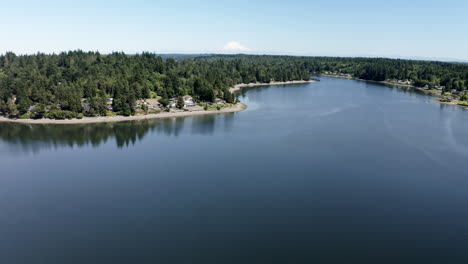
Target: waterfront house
220 101
188 101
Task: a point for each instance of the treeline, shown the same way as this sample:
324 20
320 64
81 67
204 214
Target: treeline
79 83
421 73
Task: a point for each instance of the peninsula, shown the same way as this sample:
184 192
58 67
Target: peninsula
191 110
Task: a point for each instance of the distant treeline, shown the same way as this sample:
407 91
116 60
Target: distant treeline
422 73
40 84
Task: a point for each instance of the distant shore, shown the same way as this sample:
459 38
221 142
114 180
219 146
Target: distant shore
238 87
426 91
105 119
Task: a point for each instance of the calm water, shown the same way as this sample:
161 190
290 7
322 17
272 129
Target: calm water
338 171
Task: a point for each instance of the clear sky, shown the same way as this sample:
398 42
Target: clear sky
391 28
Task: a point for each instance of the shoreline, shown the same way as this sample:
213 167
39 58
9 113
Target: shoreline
453 104
108 119
425 91
239 87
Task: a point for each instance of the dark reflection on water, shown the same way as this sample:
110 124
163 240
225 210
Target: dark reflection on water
205 125
34 137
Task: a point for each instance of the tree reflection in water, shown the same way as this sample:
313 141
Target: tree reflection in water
35 137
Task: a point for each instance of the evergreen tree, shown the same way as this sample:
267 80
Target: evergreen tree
180 102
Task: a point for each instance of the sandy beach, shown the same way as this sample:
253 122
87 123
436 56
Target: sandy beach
242 85
104 119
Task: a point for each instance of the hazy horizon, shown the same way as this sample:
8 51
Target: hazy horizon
363 28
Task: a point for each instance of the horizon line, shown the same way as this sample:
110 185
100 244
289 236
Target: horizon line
415 58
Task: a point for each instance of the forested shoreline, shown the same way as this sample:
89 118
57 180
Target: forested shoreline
76 83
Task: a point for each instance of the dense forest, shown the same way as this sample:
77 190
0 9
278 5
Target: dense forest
78 83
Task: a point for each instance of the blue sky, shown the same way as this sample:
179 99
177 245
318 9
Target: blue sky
410 29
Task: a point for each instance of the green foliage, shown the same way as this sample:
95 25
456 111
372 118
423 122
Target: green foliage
9 108
229 97
97 105
60 114
180 102
38 112
152 94
165 102
25 116
144 107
